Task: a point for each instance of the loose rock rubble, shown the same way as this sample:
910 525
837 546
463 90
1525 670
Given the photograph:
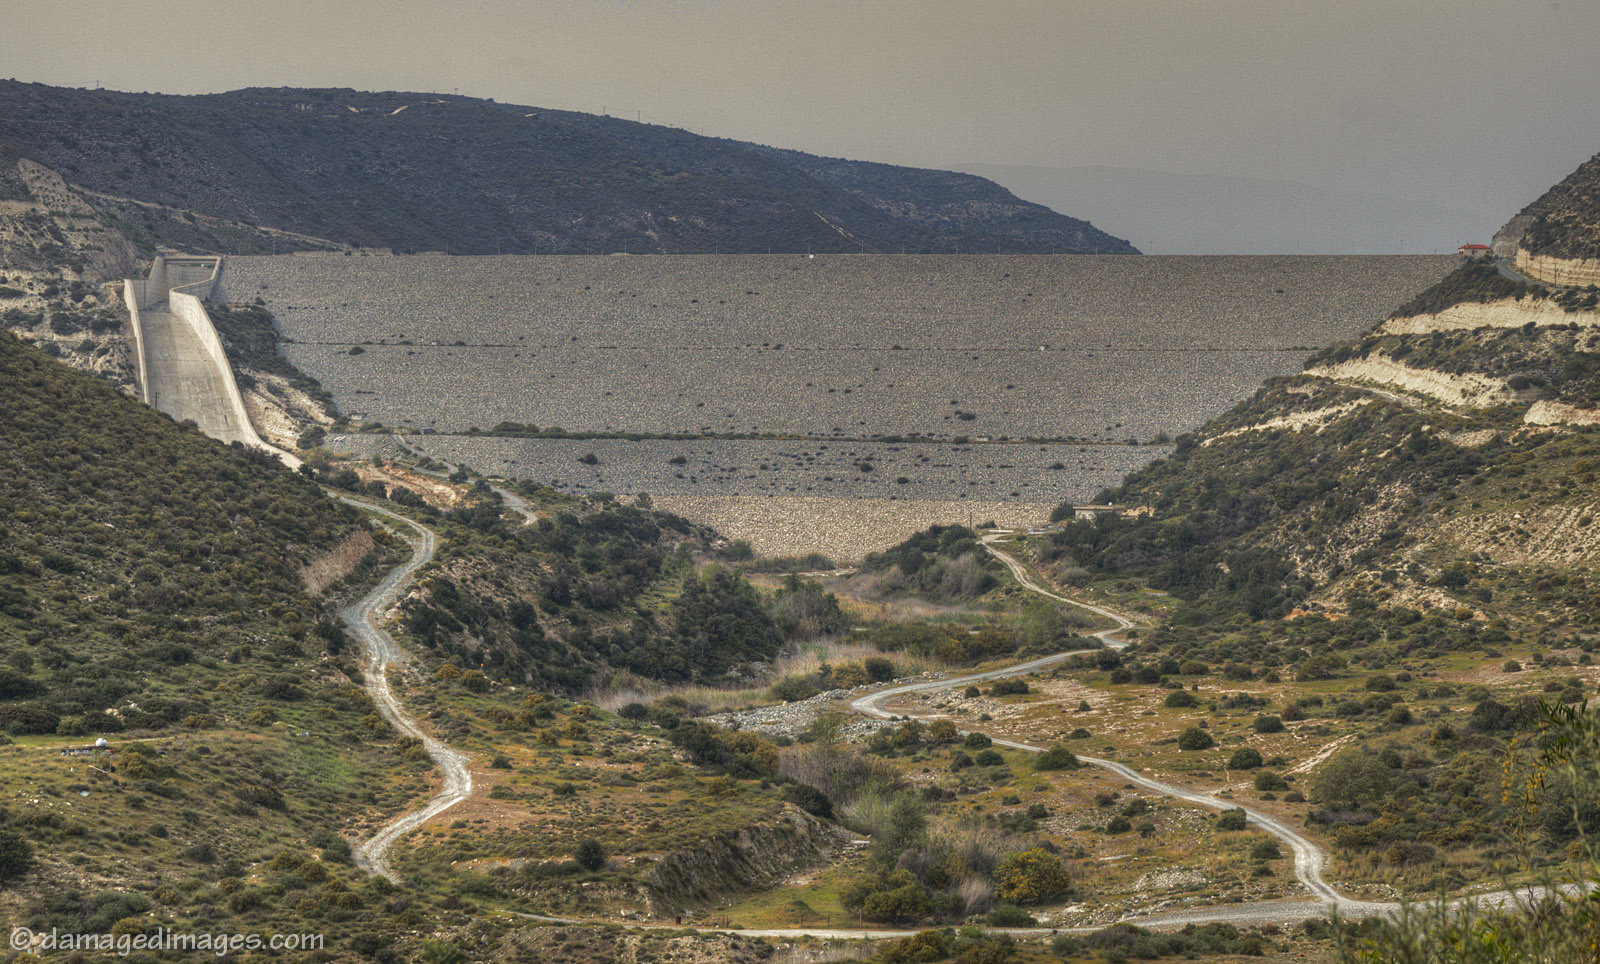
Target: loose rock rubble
793 719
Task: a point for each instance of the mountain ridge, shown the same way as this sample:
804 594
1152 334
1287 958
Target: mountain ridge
414 172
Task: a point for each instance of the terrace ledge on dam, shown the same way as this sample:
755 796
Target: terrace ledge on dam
183 369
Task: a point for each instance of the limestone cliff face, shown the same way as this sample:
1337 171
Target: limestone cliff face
1509 238
1506 313
1559 271
1460 391
1559 413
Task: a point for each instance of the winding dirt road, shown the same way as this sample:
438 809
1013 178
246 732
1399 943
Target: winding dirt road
1308 857
363 619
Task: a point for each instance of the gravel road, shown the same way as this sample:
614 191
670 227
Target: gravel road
363 618
1308 857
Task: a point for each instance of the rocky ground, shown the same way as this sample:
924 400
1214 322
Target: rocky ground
843 529
1104 349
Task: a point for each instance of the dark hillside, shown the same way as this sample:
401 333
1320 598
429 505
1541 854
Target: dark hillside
418 172
1566 219
965 206
129 545
594 589
150 593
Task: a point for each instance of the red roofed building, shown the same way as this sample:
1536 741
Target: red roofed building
1474 250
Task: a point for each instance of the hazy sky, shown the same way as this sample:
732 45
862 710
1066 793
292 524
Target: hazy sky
1476 105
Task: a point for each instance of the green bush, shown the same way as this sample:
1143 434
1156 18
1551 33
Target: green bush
792 689
1244 758
1180 699
1010 915
1232 820
1352 779
1268 724
1267 781
16 855
590 854
1009 687
1195 738
1056 758
1031 877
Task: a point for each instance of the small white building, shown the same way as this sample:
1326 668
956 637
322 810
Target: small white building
1475 251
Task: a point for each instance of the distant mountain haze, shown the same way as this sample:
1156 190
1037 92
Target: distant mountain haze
1167 213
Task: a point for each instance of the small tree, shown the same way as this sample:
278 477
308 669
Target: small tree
590 855
1195 738
1180 699
1351 780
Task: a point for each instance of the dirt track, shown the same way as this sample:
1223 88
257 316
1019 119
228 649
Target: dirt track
363 619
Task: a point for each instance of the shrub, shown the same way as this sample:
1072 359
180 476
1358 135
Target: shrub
1010 915
917 949
1009 687
1118 824
847 676
1180 699
1268 781
897 897
976 741
1244 758
1056 758
1232 820
792 689
1031 877
16 855
809 799
1273 724
1195 738
634 711
590 854
1265 850
989 758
